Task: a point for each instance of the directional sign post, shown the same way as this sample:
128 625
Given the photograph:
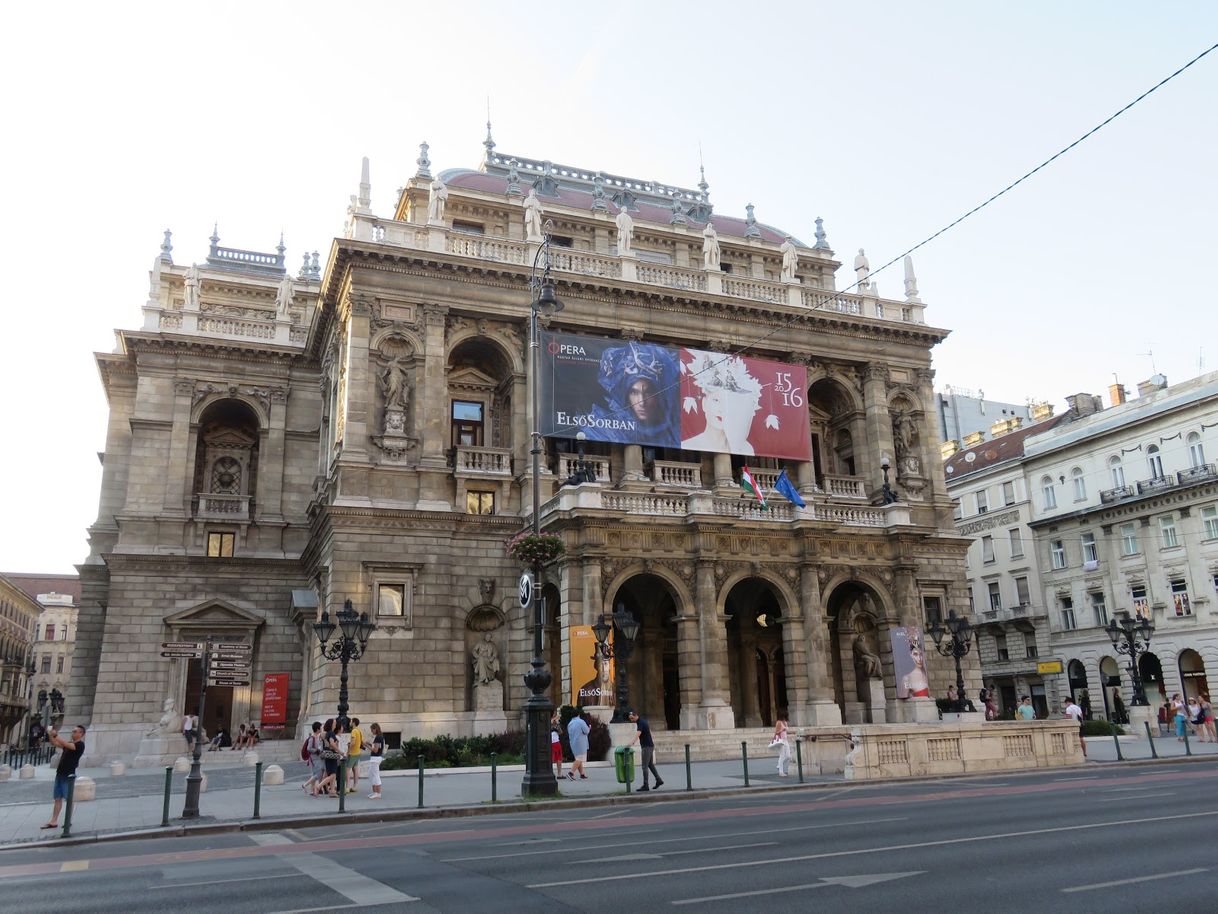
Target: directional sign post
182 649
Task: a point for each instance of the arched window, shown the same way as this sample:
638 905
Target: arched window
1117 471
1080 484
1155 461
1196 450
1048 493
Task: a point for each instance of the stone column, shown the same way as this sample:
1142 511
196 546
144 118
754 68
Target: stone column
795 665
358 411
715 712
879 425
632 463
723 472
821 710
805 477
271 460
434 402
181 470
928 435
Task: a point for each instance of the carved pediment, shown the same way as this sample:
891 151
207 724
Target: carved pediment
214 614
470 379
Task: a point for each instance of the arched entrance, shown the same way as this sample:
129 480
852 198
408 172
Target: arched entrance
1192 674
858 641
1151 671
756 672
654 673
1110 677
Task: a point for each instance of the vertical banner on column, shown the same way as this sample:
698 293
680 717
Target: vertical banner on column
274 701
592 682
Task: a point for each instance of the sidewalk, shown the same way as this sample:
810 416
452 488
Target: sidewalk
135 800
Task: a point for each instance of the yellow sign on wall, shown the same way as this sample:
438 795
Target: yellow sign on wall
1049 666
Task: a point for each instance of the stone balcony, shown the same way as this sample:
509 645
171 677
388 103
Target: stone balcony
223 507
483 462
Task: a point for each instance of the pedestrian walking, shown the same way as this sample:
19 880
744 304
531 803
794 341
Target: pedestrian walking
1073 711
1025 709
73 749
1207 710
331 756
556 745
354 750
188 730
312 752
376 755
1178 715
1196 719
577 736
780 743
647 748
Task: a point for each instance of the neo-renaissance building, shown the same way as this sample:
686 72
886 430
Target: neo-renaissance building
279 444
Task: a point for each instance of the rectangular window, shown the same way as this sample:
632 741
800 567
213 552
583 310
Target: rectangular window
1129 539
1141 605
987 549
1179 597
1167 529
1209 520
1089 551
932 608
391 601
220 545
1029 645
479 502
1000 644
50 631
1049 495
1016 539
995 595
1057 553
46 663
471 228
1022 591
1098 609
59 664
983 502
1008 493
1066 605
466 424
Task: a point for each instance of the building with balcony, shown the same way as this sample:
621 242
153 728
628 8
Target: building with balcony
361 432
58 595
18 618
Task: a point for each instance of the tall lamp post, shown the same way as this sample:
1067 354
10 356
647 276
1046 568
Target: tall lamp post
888 495
957 646
354 630
1132 637
539 777
620 650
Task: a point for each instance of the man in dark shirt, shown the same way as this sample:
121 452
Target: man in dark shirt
647 746
73 749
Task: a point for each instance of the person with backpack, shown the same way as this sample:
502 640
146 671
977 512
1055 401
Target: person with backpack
310 754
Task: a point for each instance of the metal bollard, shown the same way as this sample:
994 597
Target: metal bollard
799 758
744 752
689 775
257 789
1150 739
1116 741
67 815
168 787
1187 748
342 786
420 782
494 781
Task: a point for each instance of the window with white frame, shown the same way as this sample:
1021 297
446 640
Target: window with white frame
987 549
1029 645
1090 553
1155 461
1196 450
1065 606
1008 493
1117 471
1079 481
1179 597
393 595
1209 522
1129 539
1167 532
1098 608
995 595
1048 494
1057 554
1141 605
1022 592
983 501
1016 539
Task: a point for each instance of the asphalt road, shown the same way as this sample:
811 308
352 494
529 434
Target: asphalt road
1106 840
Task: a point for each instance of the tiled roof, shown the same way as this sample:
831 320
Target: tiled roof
34 584
991 453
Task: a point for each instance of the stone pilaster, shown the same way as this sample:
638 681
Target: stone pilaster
879 425
271 460
178 469
715 711
434 403
820 709
929 451
723 472
358 410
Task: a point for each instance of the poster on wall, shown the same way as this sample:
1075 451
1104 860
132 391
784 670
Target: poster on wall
631 392
592 674
909 662
274 701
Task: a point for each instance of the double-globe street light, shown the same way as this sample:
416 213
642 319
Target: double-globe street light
1132 637
956 647
354 629
628 628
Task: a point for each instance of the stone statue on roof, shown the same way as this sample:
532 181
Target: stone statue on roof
192 284
436 202
532 216
283 298
862 269
711 255
625 231
790 259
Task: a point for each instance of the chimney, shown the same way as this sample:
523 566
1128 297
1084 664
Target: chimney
973 439
1081 405
948 448
1116 393
1151 384
1041 411
1014 422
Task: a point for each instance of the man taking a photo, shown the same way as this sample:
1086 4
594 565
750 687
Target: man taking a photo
73 749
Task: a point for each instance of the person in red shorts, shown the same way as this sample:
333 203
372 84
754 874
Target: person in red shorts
555 745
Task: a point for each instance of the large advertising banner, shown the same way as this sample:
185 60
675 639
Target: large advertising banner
630 392
274 701
909 662
592 674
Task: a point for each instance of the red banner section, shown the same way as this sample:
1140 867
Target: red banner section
275 701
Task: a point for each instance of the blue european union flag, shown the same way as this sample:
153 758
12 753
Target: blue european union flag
784 488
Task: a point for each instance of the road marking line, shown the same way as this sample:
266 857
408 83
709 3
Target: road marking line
331 907
1088 777
1109 885
1142 796
703 850
360 889
225 881
74 866
853 882
872 850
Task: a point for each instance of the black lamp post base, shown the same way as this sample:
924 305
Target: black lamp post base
539 780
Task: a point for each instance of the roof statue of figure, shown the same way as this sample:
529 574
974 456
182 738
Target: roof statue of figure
711 255
625 231
192 284
750 223
283 297
513 184
790 259
911 281
423 162
436 202
598 194
678 214
532 216
862 269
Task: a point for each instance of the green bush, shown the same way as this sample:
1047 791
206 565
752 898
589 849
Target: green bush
457 752
1101 728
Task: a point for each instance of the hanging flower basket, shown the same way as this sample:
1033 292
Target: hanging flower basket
535 548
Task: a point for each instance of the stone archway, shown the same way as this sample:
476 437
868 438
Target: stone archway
756 669
653 669
1192 674
860 654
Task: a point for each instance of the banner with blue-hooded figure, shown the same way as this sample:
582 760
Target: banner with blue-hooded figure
620 391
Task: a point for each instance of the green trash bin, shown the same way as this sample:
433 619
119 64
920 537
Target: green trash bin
623 764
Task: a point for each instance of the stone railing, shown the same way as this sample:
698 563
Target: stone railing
766 478
250 330
660 505
671 277
497 249
750 508
851 516
223 507
599 465
682 475
483 461
755 289
846 487
585 263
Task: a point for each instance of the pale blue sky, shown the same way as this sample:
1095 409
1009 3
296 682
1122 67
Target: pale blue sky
888 119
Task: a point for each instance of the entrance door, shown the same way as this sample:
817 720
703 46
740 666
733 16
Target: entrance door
218 710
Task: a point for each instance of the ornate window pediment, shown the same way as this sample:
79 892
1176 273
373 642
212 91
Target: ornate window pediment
214 615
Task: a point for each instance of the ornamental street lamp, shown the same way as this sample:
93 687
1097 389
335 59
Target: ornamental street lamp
957 646
1132 637
354 630
889 495
582 471
621 649
539 777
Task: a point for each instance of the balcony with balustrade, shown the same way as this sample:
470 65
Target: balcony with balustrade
211 506
482 462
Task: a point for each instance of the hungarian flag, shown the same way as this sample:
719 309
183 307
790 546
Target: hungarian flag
749 484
